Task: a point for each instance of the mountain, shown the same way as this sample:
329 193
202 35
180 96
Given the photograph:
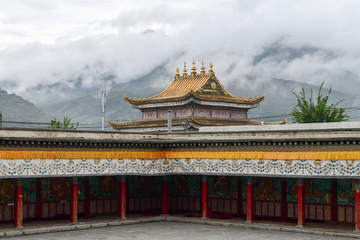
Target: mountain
78 95
87 109
16 109
279 99
315 64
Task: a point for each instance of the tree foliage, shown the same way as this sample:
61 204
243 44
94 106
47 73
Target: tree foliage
306 111
65 124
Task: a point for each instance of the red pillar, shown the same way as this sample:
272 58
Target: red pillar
334 200
74 200
38 198
250 200
86 197
283 198
205 197
239 201
122 197
164 197
357 205
301 203
18 204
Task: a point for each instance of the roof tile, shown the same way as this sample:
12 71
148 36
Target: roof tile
182 88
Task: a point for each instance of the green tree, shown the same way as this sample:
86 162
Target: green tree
306 111
65 124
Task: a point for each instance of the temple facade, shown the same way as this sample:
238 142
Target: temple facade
294 173
195 100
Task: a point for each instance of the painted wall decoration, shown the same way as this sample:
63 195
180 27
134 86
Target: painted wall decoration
6 191
45 183
316 190
103 187
222 186
238 114
220 113
149 115
346 192
202 113
185 185
291 189
183 112
29 190
144 186
163 114
262 167
267 188
55 189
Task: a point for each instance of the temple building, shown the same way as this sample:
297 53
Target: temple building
195 100
295 174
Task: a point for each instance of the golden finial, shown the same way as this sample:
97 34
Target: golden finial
177 75
202 69
193 69
185 74
211 70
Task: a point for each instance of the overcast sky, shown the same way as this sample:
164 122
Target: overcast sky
45 43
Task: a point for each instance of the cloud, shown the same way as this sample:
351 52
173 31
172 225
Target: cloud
53 47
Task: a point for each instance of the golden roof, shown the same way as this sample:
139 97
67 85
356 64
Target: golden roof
203 86
198 121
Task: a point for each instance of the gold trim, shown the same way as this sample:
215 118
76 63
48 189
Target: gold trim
213 98
290 156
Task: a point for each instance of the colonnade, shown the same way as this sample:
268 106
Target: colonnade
18 200
250 216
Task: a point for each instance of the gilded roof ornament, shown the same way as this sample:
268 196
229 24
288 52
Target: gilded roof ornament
185 74
193 69
202 69
177 75
211 72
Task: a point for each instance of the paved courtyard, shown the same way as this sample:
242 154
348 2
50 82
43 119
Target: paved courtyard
174 230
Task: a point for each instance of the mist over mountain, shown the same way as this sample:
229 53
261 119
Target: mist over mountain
283 58
87 109
264 72
58 54
277 105
317 65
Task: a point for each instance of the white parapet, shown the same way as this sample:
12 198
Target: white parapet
283 127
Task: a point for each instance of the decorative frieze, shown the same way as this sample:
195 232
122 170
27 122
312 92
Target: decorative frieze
25 168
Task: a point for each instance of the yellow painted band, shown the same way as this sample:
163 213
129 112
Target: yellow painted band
173 154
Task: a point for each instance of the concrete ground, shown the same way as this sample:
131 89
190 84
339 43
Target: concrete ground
174 230
173 227
114 216
48 223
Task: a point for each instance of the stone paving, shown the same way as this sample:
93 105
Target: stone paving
174 230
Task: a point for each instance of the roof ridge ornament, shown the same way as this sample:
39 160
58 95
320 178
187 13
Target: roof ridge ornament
177 75
185 74
193 69
211 70
202 69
